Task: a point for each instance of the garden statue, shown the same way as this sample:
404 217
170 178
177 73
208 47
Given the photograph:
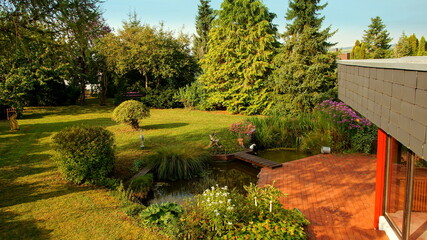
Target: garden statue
214 140
253 147
142 138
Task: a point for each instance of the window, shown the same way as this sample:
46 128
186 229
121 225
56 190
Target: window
406 191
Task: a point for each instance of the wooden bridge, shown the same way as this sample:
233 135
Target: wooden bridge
259 161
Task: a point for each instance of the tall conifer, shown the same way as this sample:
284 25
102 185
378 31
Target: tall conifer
204 19
422 47
377 39
241 48
413 44
305 73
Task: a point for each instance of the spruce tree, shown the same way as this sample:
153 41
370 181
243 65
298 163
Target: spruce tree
377 39
305 73
241 48
422 47
204 20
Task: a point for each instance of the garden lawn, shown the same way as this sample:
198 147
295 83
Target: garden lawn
36 203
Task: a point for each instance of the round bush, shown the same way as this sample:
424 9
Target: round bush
129 112
84 154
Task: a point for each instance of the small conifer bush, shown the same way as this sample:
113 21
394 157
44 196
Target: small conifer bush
130 112
84 154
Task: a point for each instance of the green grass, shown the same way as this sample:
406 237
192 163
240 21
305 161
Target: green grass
36 203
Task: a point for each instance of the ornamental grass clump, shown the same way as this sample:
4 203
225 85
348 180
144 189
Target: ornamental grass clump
84 154
178 162
130 112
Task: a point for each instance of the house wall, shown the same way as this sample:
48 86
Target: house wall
392 94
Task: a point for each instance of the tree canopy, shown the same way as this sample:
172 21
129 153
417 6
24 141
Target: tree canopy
241 48
43 42
150 56
377 39
305 70
204 19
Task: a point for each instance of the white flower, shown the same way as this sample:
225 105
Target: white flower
230 223
220 202
229 200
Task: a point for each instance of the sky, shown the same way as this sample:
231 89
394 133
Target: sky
349 17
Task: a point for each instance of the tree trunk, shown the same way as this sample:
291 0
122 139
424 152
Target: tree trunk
104 87
82 98
146 81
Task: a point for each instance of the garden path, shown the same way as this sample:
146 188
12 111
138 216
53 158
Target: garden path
335 192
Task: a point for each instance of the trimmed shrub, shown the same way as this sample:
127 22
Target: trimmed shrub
178 162
129 112
84 154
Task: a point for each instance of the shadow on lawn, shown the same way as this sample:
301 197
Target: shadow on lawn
17 191
13 228
163 126
40 112
23 156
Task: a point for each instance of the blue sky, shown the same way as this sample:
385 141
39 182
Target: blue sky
350 17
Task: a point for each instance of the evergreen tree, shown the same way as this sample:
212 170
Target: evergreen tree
422 47
355 50
413 44
241 48
204 20
377 39
358 51
402 47
305 73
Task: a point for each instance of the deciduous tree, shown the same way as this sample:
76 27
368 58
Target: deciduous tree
150 53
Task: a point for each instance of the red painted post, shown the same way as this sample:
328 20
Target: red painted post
379 188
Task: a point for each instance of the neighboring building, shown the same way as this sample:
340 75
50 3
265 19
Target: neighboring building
392 93
343 56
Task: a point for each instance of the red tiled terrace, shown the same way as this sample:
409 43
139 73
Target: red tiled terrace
335 192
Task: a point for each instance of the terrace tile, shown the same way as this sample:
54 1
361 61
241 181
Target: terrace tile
335 192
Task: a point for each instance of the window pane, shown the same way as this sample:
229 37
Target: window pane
418 227
397 183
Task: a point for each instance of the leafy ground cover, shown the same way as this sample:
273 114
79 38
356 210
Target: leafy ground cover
36 203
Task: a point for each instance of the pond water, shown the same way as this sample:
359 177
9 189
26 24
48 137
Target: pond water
281 155
234 174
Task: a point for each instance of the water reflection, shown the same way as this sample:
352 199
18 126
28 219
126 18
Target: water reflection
281 156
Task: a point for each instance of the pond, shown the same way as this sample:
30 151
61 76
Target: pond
234 174
282 155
